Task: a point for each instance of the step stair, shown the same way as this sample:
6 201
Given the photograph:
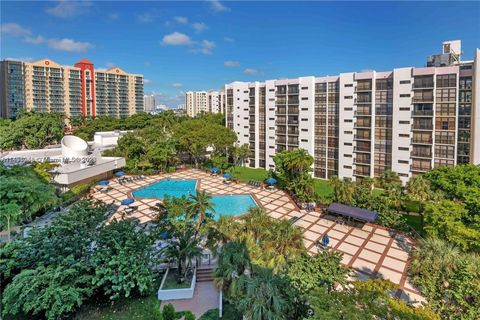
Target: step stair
204 275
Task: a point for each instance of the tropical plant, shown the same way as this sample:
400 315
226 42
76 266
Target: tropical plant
240 153
22 186
364 301
48 291
123 260
201 207
32 130
11 214
445 219
306 272
183 249
447 278
233 261
267 296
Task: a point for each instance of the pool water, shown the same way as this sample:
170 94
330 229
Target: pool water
227 205
172 188
232 205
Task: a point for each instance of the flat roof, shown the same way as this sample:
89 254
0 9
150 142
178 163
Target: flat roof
353 212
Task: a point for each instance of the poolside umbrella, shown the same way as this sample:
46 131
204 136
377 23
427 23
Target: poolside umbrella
271 181
214 170
103 183
119 174
126 202
325 240
227 175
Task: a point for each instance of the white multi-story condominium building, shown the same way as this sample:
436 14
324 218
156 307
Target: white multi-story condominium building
149 103
197 102
360 124
79 90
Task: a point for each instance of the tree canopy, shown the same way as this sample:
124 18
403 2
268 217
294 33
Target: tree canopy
31 130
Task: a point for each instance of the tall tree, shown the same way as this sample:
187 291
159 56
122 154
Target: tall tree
11 214
201 207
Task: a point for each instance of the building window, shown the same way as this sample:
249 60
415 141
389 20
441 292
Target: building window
403 161
404 109
403 149
348 97
404 122
404 81
348 85
405 95
347 120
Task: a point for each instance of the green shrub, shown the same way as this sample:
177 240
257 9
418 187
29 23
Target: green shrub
171 169
189 315
168 312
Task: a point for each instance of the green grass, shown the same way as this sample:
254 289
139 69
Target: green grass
123 309
415 222
246 174
229 313
322 188
411 206
171 282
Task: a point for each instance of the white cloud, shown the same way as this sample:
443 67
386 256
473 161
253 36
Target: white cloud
199 26
147 81
177 85
146 17
114 16
251 72
217 6
14 29
230 63
68 9
228 39
69 45
176 39
64 44
206 47
110 65
182 20
34 40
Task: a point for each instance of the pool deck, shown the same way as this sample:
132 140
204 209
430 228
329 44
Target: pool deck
372 251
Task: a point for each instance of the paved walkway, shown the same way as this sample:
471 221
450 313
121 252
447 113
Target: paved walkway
371 250
205 297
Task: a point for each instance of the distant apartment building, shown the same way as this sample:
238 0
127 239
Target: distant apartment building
360 124
149 103
197 102
79 90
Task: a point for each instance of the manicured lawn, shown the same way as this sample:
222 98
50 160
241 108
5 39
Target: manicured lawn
322 188
246 174
171 282
123 309
411 206
415 222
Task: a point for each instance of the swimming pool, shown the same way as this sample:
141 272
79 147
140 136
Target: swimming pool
227 205
232 205
172 188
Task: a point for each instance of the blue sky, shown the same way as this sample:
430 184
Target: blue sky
200 45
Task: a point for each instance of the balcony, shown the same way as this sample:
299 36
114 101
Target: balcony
361 150
419 113
361 137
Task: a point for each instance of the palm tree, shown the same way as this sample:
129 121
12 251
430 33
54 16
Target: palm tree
233 261
285 244
257 224
201 204
183 249
10 213
298 161
265 297
419 190
240 153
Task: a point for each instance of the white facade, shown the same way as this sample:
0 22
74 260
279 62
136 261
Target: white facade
149 103
356 125
197 102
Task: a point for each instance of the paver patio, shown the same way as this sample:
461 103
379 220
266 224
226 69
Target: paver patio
371 250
